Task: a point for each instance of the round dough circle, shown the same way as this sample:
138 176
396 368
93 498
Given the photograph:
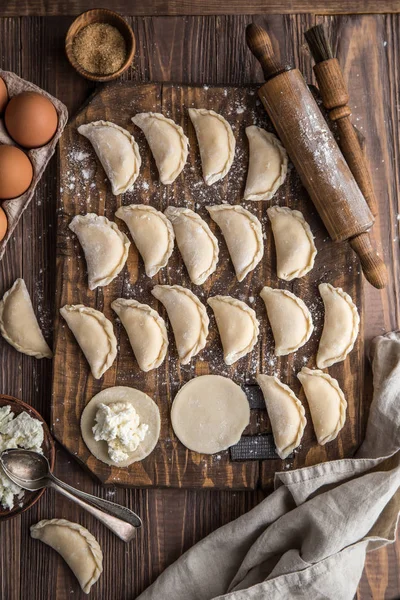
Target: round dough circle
210 413
148 413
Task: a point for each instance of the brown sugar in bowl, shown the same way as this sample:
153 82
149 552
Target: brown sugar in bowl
100 15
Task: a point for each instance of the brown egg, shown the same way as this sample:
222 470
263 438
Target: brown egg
16 172
31 119
3 224
3 96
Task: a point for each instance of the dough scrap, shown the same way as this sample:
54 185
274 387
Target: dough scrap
148 413
117 151
285 412
237 325
94 334
243 236
197 244
294 242
289 318
152 233
326 401
268 163
188 318
341 326
77 546
209 414
146 331
167 141
105 246
18 323
216 143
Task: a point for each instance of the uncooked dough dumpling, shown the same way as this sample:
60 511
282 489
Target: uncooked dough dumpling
216 143
117 151
77 546
196 242
237 325
243 236
209 414
285 412
168 144
105 246
326 401
94 334
289 318
188 318
146 409
146 331
152 233
267 164
294 242
341 326
18 323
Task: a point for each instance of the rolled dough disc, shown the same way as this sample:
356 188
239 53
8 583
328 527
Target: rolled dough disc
210 413
148 413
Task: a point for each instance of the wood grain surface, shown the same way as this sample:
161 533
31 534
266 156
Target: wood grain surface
84 188
208 50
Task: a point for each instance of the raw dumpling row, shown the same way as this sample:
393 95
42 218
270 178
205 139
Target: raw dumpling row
286 413
119 153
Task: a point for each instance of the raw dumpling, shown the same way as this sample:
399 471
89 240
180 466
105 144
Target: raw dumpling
289 318
216 143
243 236
237 325
18 323
152 233
94 334
326 401
146 331
188 318
117 151
341 325
294 242
197 244
78 547
168 144
285 412
105 247
267 164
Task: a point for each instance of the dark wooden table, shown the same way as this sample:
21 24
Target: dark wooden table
196 48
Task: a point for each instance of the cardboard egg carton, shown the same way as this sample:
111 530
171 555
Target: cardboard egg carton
39 157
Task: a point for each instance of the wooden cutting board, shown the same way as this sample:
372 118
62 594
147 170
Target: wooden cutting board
84 188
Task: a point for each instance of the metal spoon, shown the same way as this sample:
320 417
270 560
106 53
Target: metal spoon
31 471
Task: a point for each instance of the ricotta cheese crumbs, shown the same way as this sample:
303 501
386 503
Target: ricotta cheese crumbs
118 424
22 431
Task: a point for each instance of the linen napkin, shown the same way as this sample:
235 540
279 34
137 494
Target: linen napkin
308 539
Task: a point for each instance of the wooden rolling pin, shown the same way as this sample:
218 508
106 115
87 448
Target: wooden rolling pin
316 155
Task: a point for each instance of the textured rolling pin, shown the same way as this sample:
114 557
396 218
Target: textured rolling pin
316 155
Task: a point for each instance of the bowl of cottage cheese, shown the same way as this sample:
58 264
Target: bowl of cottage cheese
21 426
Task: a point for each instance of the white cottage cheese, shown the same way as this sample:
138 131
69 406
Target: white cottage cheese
118 424
22 431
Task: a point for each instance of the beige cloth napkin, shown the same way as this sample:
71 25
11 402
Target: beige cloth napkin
308 539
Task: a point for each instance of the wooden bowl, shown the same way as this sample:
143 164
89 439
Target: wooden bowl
100 15
29 498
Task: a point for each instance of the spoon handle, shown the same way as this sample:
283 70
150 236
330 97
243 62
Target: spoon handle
122 520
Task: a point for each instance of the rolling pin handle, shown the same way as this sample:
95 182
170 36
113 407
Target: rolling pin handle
372 265
260 46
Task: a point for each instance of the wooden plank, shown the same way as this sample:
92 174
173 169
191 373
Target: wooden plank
171 464
176 519
200 7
